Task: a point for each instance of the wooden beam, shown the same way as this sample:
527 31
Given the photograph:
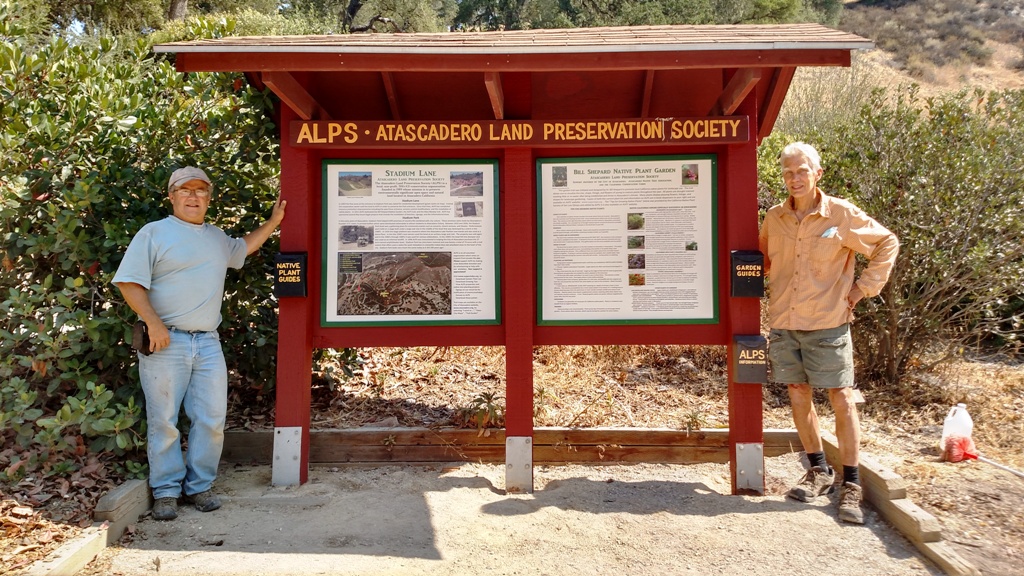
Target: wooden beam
735 91
552 445
492 80
389 88
294 95
769 111
645 107
604 61
947 559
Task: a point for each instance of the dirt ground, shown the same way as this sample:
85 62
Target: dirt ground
457 520
593 520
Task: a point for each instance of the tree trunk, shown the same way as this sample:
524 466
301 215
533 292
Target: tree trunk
349 14
177 10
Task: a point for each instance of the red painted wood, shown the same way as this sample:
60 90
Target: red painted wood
295 319
518 280
738 210
636 333
371 336
448 63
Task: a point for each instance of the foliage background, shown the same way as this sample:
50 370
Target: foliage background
89 133
945 174
92 123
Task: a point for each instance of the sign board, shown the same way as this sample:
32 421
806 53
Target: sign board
290 274
627 240
750 359
410 242
534 133
747 274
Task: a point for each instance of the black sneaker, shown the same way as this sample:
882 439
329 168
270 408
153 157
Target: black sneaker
816 482
165 508
204 501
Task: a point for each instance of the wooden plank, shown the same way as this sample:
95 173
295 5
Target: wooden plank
631 436
338 445
496 454
733 94
122 507
492 81
324 454
629 454
943 555
124 497
248 446
549 435
73 556
645 106
389 89
603 61
410 436
880 483
910 519
294 95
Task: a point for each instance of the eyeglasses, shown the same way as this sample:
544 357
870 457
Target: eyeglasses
200 193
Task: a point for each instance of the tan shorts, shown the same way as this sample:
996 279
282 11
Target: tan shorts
821 358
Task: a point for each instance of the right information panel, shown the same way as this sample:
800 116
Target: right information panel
627 240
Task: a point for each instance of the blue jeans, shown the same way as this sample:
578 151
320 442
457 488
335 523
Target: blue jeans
190 372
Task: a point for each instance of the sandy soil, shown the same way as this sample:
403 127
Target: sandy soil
456 520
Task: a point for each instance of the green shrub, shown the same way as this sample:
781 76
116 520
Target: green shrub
946 175
89 133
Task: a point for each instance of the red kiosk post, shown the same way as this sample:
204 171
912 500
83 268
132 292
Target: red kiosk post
520 307
296 317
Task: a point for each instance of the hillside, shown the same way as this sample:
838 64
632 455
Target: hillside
941 45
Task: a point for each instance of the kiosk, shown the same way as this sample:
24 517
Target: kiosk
522 188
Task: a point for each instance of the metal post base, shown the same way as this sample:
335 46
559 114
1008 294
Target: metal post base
287 457
519 465
750 466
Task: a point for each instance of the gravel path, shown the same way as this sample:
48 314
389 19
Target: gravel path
457 520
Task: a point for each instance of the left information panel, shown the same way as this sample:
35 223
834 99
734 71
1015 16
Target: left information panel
410 242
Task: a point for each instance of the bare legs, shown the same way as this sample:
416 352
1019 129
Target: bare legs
847 422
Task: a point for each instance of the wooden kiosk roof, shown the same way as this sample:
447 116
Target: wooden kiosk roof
584 73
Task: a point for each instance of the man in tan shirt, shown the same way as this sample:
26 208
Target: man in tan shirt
810 241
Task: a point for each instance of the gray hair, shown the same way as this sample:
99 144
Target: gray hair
802 149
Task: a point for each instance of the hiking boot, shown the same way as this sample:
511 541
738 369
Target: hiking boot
205 501
850 497
816 482
165 508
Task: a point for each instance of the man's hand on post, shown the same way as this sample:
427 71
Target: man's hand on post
278 214
257 237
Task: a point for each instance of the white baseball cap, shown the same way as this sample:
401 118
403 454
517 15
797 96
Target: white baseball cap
182 175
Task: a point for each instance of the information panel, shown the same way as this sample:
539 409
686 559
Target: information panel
628 240
410 242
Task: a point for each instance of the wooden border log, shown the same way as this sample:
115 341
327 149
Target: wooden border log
551 445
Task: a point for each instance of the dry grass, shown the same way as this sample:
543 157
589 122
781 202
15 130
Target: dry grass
674 387
980 508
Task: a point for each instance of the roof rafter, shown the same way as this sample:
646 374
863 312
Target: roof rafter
389 89
294 95
492 80
645 107
742 82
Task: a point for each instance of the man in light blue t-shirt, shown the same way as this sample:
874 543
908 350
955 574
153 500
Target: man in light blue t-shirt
172 276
